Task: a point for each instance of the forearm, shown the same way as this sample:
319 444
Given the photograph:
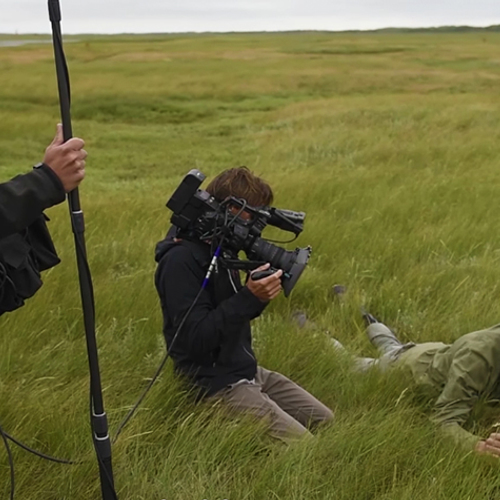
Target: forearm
460 436
25 197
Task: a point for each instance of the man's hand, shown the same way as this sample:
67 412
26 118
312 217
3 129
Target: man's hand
66 159
268 288
490 446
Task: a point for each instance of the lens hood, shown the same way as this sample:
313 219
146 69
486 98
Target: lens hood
300 263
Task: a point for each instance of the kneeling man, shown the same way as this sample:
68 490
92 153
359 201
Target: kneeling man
213 348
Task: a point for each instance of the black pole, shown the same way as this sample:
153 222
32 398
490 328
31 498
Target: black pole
99 421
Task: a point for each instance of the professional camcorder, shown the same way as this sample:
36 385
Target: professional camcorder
199 216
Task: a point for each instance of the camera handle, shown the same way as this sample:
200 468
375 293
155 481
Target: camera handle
241 265
259 275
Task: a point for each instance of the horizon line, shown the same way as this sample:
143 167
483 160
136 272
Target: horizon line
305 30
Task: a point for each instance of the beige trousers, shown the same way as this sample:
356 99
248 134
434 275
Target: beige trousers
289 408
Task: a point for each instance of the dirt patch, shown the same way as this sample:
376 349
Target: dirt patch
488 75
242 55
252 54
426 88
25 56
141 56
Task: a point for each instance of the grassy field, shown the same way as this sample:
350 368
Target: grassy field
389 142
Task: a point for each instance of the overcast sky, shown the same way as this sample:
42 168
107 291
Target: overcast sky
142 16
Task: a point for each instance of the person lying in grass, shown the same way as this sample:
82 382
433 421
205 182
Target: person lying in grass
456 375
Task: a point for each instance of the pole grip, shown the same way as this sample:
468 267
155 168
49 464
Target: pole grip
54 11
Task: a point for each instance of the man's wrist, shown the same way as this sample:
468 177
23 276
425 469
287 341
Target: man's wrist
44 171
263 301
480 447
255 304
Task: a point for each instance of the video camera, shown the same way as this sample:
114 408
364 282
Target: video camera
198 215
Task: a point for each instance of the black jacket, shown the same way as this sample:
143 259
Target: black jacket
26 247
214 347
24 198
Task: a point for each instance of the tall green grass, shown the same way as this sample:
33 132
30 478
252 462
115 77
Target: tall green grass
389 142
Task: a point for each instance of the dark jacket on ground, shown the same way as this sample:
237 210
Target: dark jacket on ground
24 198
214 347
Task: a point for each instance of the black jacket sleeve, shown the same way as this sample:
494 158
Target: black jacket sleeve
208 326
25 197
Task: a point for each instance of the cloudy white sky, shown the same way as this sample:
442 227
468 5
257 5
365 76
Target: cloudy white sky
142 16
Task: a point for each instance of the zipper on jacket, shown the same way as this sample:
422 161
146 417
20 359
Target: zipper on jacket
253 357
232 282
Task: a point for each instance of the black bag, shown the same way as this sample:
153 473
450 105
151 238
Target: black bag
23 256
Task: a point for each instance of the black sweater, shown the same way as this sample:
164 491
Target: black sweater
25 197
214 347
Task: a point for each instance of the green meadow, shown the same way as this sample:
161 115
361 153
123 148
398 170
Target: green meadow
389 141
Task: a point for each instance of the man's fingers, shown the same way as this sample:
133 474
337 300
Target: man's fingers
76 156
275 287
493 442
262 268
74 144
492 445
274 278
492 450
58 139
266 288
493 438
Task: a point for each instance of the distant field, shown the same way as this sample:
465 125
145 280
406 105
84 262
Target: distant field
389 142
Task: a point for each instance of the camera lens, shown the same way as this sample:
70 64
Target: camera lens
292 263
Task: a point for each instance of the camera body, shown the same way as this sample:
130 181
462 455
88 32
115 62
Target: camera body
198 215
